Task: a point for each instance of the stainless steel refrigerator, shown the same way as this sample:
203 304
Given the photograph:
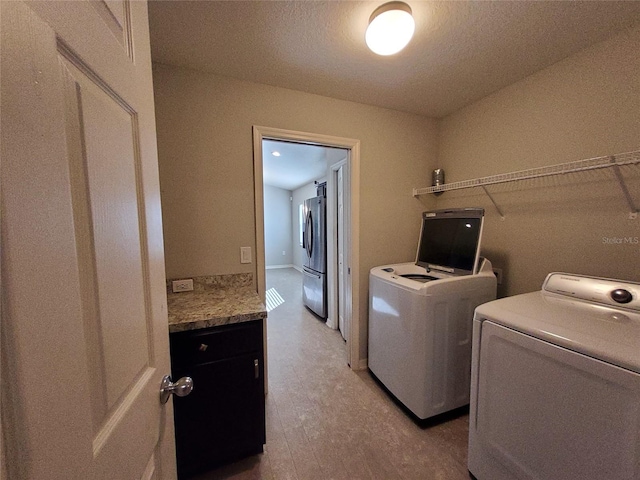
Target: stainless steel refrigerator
314 242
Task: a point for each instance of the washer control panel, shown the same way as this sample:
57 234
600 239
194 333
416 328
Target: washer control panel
600 290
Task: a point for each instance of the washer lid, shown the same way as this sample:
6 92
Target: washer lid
599 331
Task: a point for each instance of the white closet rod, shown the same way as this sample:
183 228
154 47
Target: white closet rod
615 161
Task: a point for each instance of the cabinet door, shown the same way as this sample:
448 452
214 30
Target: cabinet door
223 417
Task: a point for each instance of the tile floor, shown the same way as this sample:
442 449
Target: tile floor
325 421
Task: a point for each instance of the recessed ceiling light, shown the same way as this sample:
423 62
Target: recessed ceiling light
390 29
275 153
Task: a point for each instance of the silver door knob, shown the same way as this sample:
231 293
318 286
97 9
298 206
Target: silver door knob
181 388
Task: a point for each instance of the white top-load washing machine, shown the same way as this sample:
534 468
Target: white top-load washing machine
420 314
555 389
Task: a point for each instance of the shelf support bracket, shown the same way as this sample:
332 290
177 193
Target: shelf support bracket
493 201
623 187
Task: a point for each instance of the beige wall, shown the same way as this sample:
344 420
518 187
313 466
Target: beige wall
585 106
204 125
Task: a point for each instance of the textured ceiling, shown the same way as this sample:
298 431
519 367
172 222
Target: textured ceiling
461 51
298 164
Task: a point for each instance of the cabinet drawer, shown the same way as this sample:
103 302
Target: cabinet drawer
205 345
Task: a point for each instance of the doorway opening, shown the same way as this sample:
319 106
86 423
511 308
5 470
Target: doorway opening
336 162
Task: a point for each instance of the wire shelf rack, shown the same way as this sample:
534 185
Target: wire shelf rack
610 161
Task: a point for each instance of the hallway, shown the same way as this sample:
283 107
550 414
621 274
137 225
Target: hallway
325 421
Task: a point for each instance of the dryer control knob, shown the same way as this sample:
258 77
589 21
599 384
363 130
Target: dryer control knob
621 295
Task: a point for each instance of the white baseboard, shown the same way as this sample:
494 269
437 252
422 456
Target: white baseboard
271 267
297 268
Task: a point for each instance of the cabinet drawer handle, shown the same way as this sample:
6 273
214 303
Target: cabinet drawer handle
203 347
256 369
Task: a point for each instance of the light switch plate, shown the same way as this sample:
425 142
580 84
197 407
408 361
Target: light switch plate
245 254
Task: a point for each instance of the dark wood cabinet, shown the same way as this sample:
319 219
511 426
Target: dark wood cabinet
223 419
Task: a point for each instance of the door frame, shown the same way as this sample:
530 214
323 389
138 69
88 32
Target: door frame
352 311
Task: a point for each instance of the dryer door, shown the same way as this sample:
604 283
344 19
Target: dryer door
540 411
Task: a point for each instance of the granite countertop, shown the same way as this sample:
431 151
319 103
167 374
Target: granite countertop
214 301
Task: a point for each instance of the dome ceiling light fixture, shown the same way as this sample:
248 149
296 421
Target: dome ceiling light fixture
390 29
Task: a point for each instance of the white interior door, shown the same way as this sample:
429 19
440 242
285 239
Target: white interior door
85 340
342 325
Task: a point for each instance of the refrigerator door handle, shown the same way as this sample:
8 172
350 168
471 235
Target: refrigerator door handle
309 233
309 274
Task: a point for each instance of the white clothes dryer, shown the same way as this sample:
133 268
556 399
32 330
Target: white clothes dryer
555 383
